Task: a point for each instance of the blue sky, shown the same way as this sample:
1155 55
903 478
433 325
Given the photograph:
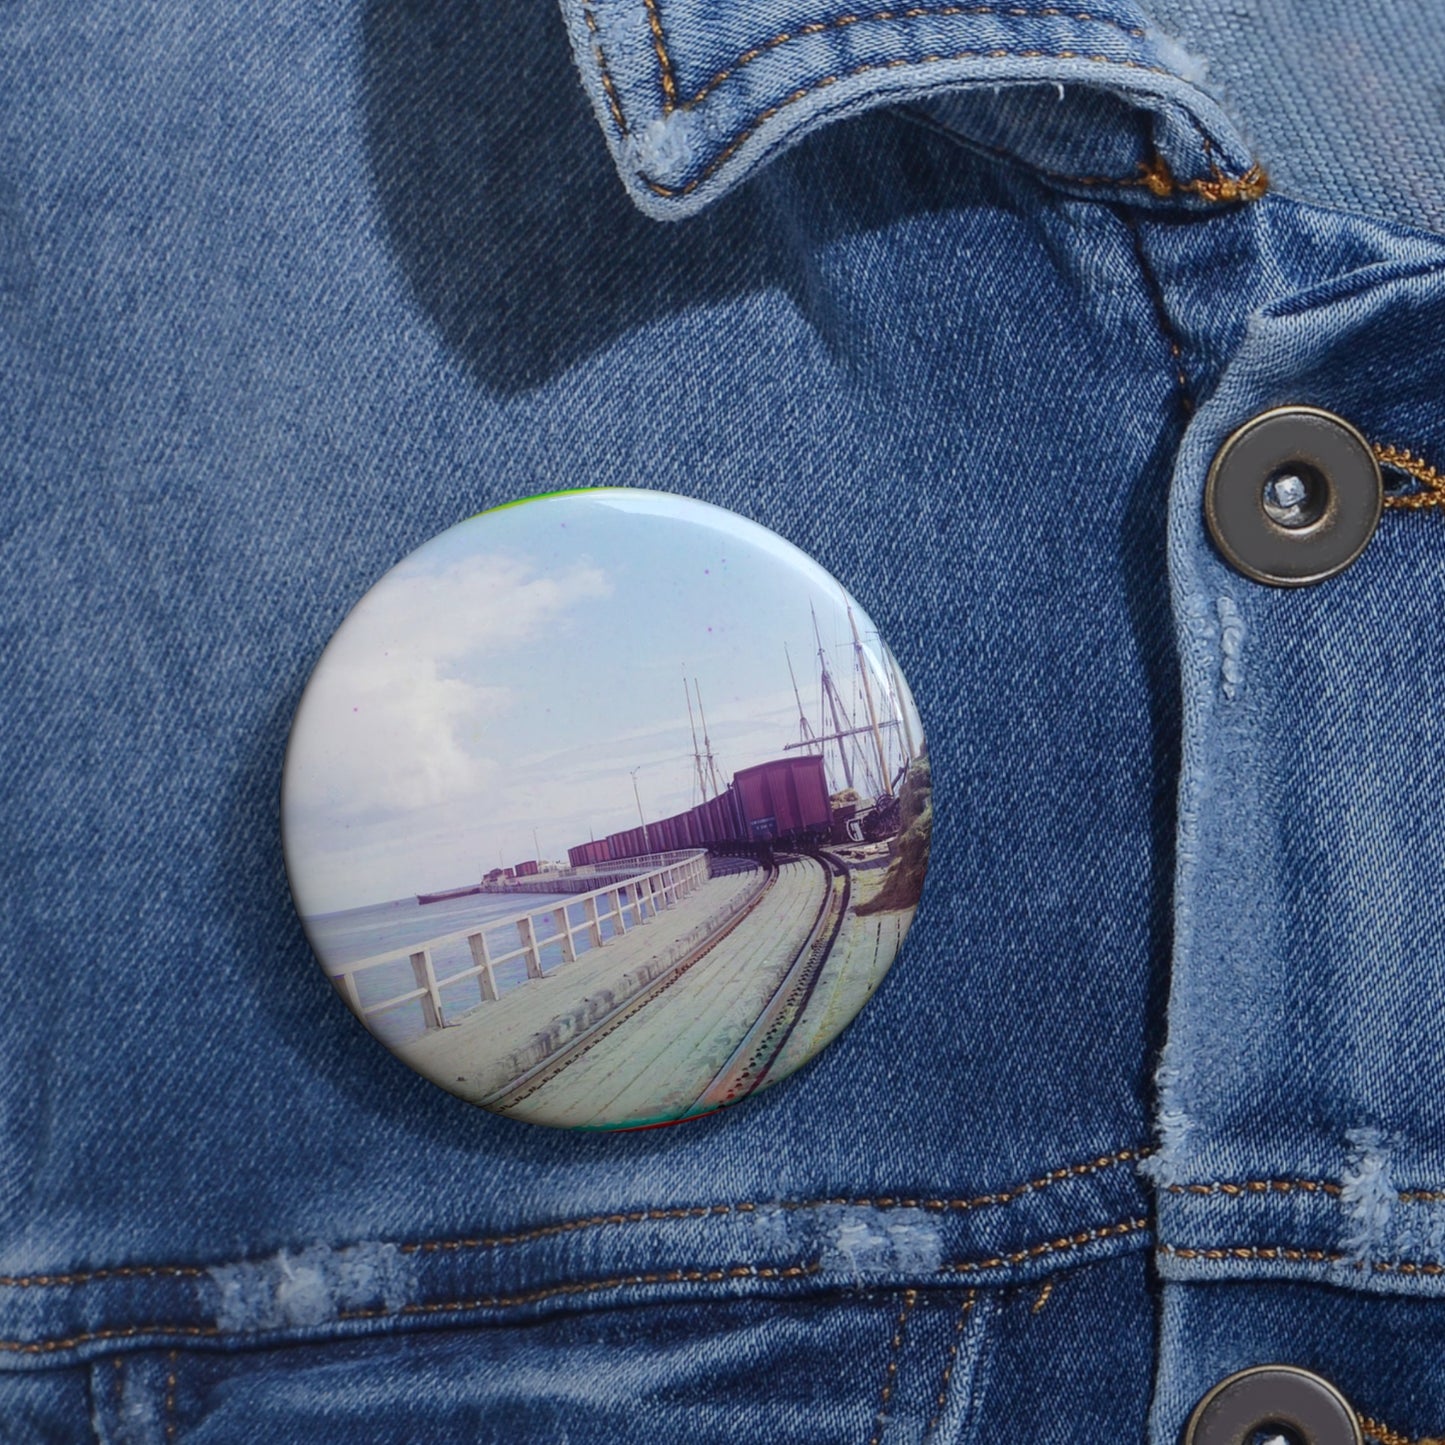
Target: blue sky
510 674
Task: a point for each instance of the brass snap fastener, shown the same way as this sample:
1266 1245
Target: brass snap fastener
1282 1399
1293 496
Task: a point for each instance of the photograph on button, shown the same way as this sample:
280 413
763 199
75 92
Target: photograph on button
606 808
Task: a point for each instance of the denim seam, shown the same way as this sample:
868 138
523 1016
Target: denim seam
614 102
841 22
169 1406
1052 1246
1215 1254
1237 1189
1218 189
951 1360
1156 177
890 1374
664 60
1045 1294
667 71
1382 1433
587 1287
1161 312
995 1199
1431 480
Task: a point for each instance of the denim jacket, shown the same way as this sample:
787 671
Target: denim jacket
962 300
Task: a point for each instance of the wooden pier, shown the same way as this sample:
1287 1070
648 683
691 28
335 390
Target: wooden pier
610 901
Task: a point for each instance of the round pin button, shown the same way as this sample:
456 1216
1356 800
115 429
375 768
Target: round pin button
606 809
1293 496
1273 1399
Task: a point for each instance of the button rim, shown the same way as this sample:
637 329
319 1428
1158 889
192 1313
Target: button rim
1199 1422
1325 526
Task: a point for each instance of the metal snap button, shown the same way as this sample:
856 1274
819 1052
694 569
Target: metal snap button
1293 496
607 809
1280 1399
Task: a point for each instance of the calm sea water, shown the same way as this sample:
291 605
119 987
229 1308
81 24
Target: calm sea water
359 933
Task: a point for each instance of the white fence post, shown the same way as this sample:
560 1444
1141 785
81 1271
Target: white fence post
528 934
481 959
425 975
564 931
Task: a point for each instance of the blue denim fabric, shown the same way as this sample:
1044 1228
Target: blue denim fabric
284 295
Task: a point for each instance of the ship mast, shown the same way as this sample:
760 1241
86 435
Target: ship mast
707 742
805 728
868 698
830 692
898 706
696 756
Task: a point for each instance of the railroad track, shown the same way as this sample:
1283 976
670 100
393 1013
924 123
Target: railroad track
527 1084
748 1066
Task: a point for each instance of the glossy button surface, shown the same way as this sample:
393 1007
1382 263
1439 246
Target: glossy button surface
606 809
1273 1398
1293 496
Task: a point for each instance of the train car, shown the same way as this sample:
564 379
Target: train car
786 798
690 829
783 800
629 843
718 819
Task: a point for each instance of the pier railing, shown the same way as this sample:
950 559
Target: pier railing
636 897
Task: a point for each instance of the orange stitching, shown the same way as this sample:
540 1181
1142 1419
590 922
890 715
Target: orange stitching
536 1296
997 1198
1053 1246
130 1332
664 60
969 1300
1156 174
914 12
583 1287
1235 1190
910 1298
1387 1436
764 116
1253 1251
674 1276
1295 1255
1432 496
129 1271
636 1216
1259 1186
1382 1433
612 100
1220 188
170 1403
1044 1295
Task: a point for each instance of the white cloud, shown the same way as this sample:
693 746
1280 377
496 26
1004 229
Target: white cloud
393 723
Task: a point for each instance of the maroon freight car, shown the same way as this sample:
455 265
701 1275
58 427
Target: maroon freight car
786 798
585 854
629 843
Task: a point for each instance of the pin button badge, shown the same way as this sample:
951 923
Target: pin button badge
605 809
